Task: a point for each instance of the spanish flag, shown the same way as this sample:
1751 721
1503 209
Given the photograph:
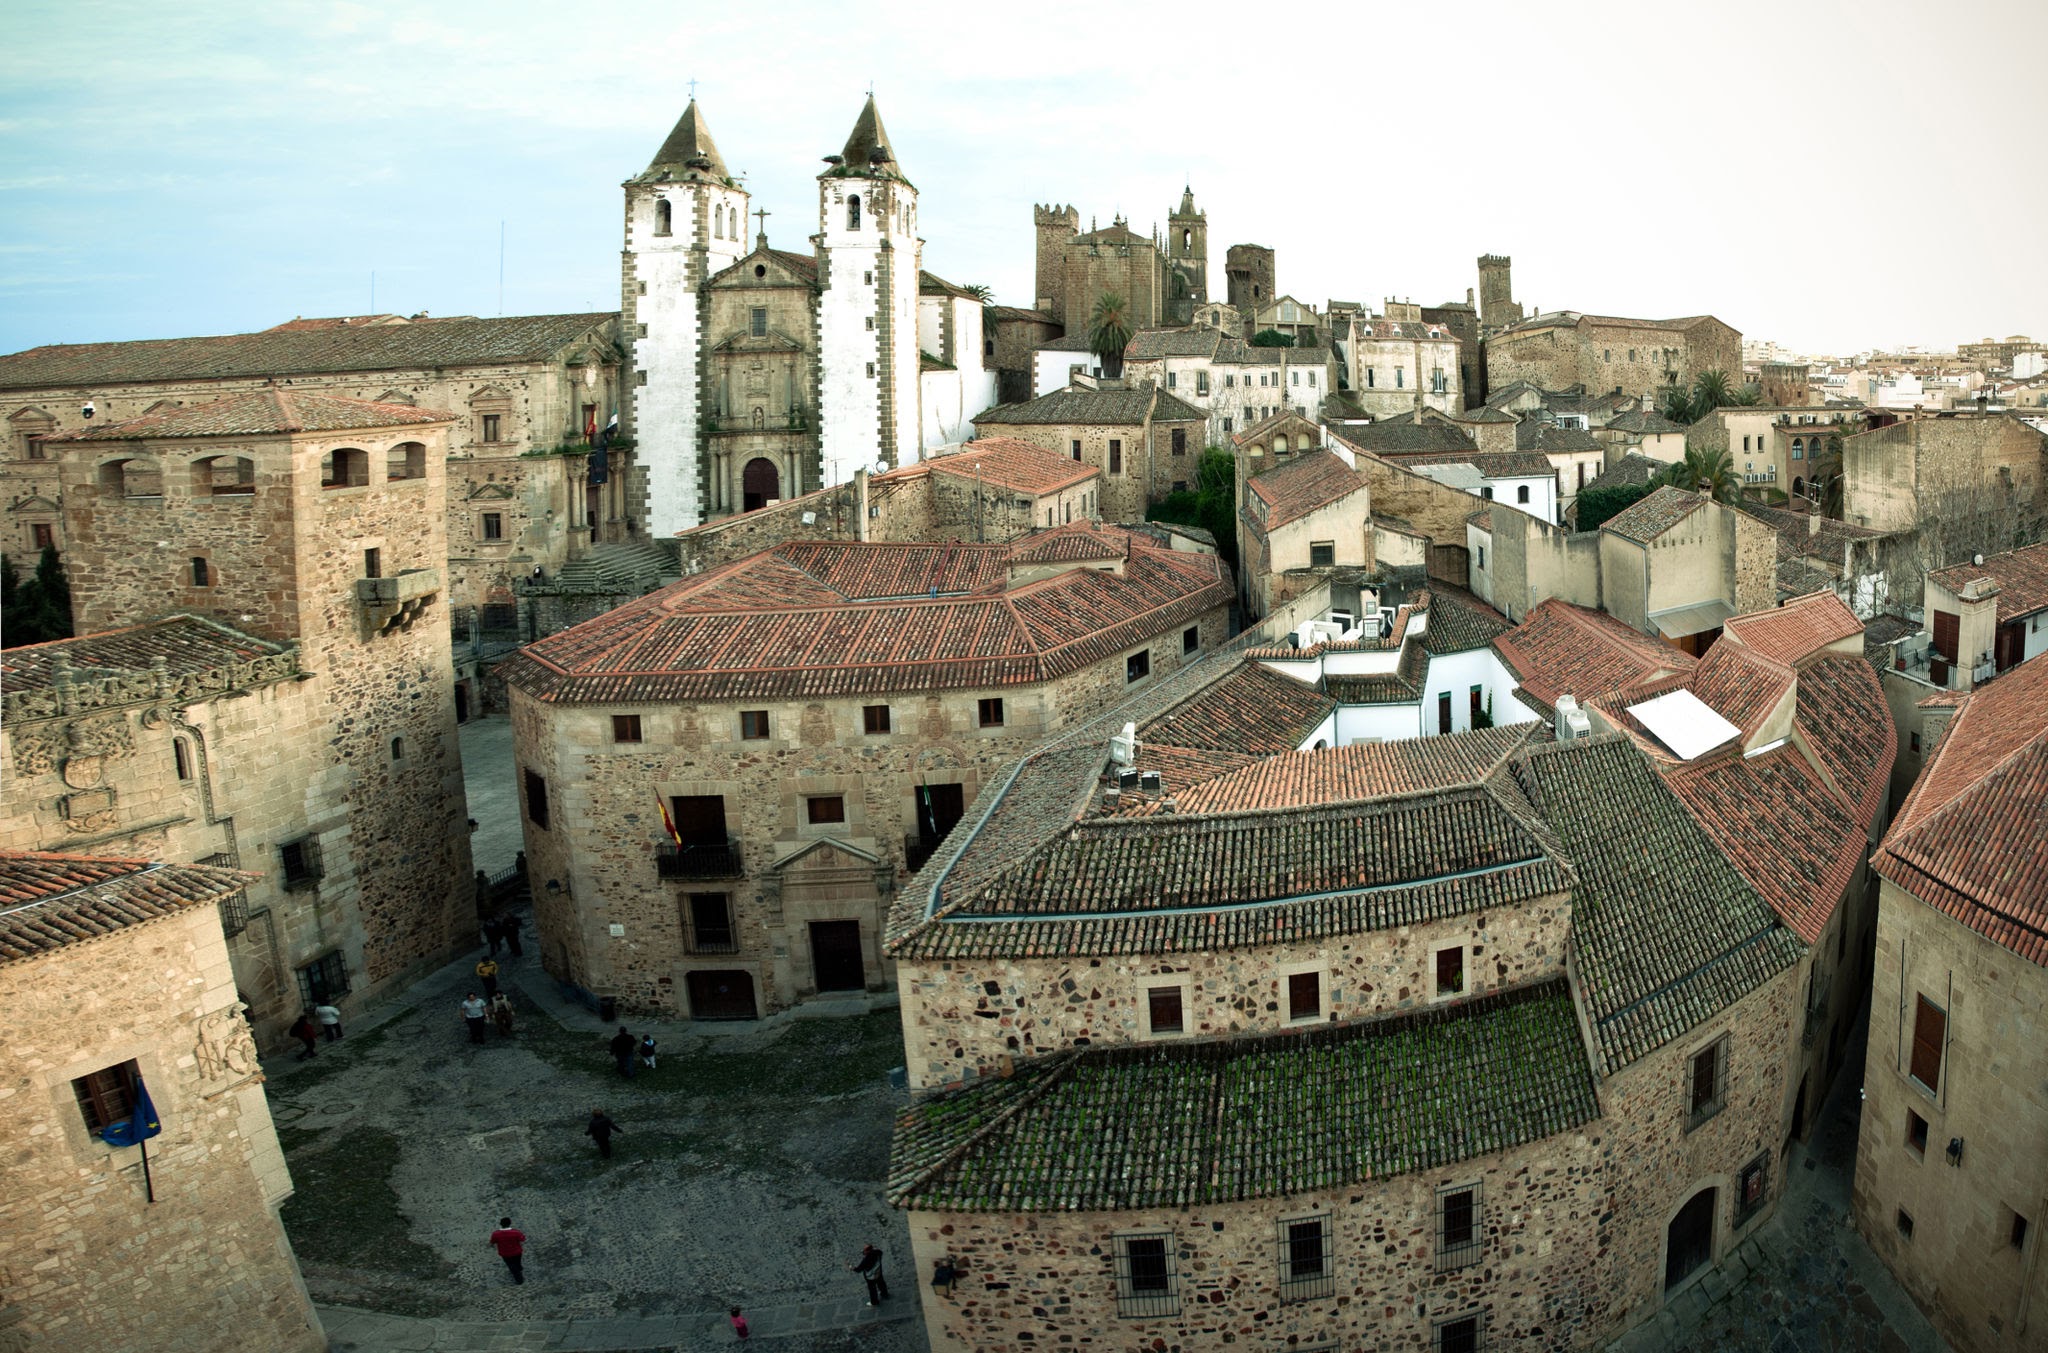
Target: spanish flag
668 822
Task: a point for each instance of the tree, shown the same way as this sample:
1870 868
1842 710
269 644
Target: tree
1211 505
1272 338
1747 396
1824 478
38 610
1109 330
1594 506
1678 406
1708 471
1709 393
979 293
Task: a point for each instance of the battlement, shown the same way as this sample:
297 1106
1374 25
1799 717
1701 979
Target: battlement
1051 215
1495 261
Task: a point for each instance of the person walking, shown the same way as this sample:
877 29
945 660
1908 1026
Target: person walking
492 935
487 973
647 1051
509 922
869 1266
330 1021
303 1031
600 1130
501 1014
510 1243
739 1324
473 1015
624 1047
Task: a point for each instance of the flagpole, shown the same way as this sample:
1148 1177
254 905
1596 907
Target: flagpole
148 1185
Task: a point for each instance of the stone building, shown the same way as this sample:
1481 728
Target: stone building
273 694
113 974
1638 357
1779 447
1399 365
1211 1028
1234 383
1144 440
759 374
1951 1179
1161 279
811 721
1300 517
1978 479
525 390
1011 336
1498 308
1249 283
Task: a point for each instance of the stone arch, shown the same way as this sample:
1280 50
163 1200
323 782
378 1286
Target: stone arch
853 211
223 476
135 478
1798 486
662 212
1694 1225
407 460
760 484
345 467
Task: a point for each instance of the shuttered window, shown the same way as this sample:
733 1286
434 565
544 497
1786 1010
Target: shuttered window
1945 634
1930 1035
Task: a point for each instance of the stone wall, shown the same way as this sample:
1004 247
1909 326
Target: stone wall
86 1260
1123 495
1427 506
1532 561
961 1019
605 822
1037 1280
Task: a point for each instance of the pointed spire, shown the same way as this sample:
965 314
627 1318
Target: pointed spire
688 147
868 151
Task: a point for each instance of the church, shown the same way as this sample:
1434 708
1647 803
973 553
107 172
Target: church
757 374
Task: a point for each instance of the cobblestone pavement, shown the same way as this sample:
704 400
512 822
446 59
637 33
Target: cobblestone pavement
490 780
1805 1282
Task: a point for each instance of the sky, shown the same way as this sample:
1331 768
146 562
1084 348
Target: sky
1832 176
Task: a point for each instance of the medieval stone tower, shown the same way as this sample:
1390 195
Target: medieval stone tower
1053 227
868 260
686 218
1187 260
1248 269
1497 307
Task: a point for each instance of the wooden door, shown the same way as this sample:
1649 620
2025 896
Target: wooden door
1689 1241
721 995
1443 712
835 956
760 484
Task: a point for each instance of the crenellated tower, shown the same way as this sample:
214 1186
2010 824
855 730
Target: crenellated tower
686 218
868 257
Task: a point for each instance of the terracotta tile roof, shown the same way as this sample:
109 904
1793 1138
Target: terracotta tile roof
1460 622
1847 724
1971 840
931 284
1392 438
1014 464
1631 471
185 644
1533 435
815 619
1250 710
1363 770
1647 518
2021 575
270 411
1153 344
1179 1124
1562 649
1078 404
1068 545
1015 312
1646 421
1797 629
1485 413
1292 490
1809 536
1741 685
1666 931
289 352
48 902
1483 519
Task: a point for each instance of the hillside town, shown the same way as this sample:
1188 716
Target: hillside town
1174 812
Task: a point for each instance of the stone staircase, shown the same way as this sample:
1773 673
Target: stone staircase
624 567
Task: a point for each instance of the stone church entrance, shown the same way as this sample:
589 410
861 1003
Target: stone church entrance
835 956
760 484
1689 1241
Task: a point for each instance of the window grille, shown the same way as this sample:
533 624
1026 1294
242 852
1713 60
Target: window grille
300 861
234 909
1146 1281
1751 1187
1305 1268
1459 1239
1463 1334
1707 1083
325 978
106 1097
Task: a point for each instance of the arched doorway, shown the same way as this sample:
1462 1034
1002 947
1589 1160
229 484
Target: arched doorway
1689 1240
1799 488
760 484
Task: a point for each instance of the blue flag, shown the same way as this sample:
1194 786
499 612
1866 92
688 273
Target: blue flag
139 1126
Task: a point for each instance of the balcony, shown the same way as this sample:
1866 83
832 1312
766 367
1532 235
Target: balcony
396 602
706 939
700 860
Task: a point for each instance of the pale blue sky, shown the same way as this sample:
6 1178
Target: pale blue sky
1831 175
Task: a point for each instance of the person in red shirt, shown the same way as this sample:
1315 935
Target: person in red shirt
511 1247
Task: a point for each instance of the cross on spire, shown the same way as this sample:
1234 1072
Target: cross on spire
763 214
693 91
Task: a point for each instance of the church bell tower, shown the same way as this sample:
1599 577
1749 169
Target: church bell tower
1186 259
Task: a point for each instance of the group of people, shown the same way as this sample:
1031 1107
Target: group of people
494 1007
477 1013
628 1051
318 1021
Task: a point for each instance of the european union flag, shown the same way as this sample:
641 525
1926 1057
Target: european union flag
139 1126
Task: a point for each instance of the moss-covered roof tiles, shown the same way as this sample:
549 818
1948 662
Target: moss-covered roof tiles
1172 1125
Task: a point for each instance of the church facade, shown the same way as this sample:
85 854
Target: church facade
759 374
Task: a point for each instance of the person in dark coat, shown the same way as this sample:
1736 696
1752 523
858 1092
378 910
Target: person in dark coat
600 1130
508 925
305 1033
625 1051
869 1266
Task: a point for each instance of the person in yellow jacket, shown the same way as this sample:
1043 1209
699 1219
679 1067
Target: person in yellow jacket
487 973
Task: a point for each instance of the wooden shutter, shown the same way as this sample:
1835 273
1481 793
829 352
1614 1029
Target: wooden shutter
1945 623
1930 1034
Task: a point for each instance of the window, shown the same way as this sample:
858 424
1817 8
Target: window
709 920
988 347
1916 1133
663 214
753 724
1230 380
758 322
1450 967
44 535
853 212
1296 377
1145 1280
1487 493
345 467
1180 486
1370 379
491 421
373 563
640 377
1436 380
1400 377
1077 450
201 575
874 718
494 525
536 800
1163 1011
407 460
1138 666
1201 382
1707 1083
1305 1269
871 323
398 749
1521 493
822 810
1930 1038
1322 553
36 449
643 329
1311 380
1180 441
106 1097
299 863
867 279
1305 996
1904 1222
1116 456
1190 639
1745 443
625 728
325 979
1457 1336
991 712
871 370
1170 384
1458 1237
1750 1186
181 755
1226 422
2016 1233
1482 556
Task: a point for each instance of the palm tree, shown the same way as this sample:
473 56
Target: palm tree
979 292
1747 396
1708 471
1709 392
1109 330
1677 406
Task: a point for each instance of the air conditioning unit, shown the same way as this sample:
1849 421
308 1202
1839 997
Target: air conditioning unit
1123 748
1127 779
1150 782
1572 723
